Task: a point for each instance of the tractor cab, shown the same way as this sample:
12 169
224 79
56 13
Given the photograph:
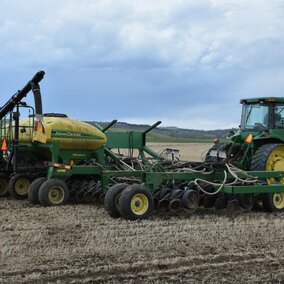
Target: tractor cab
260 114
262 123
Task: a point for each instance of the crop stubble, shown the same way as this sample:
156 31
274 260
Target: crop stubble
82 244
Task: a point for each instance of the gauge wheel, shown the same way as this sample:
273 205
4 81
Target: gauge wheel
270 157
136 203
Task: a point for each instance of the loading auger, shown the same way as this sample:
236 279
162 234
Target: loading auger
74 161
9 126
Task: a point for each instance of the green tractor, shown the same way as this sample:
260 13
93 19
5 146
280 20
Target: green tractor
258 145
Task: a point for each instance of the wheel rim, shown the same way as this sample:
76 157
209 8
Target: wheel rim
139 204
278 200
275 162
22 186
56 194
3 186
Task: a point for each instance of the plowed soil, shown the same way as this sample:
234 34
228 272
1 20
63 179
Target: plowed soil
82 244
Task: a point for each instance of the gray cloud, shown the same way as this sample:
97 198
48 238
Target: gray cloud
186 62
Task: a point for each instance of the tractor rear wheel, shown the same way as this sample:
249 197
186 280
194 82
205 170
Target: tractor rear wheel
136 203
111 199
34 189
53 192
270 157
4 182
19 186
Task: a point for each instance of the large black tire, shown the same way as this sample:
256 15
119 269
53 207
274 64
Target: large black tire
4 185
270 157
136 203
19 186
111 199
34 189
53 192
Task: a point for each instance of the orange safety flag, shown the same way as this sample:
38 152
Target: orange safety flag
4 146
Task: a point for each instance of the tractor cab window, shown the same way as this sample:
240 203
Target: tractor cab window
255 117
278 116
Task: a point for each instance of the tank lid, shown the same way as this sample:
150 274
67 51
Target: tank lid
52 114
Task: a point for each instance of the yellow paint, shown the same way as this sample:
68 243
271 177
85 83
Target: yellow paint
275 162
63 124
278 200
56 194
139 204
22 186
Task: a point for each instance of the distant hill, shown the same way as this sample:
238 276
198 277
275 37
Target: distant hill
169 134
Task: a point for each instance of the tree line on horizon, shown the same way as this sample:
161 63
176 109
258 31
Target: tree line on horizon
166 134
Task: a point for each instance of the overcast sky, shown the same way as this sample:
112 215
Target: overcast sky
185 62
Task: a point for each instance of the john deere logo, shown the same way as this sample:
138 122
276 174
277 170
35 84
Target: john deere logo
60 133
73 134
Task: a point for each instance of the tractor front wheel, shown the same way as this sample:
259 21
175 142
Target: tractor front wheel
19 186
135 203
53 192
270 157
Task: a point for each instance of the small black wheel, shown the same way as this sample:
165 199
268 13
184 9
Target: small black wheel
34 189
4 184
209 201
190 201
177 193
135 203
165 192
111 199
53 192
175 200
233 206
246 201
19 186
220 203
164 198
273 202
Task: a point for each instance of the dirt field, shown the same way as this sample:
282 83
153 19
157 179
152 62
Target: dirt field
82 244
188 151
